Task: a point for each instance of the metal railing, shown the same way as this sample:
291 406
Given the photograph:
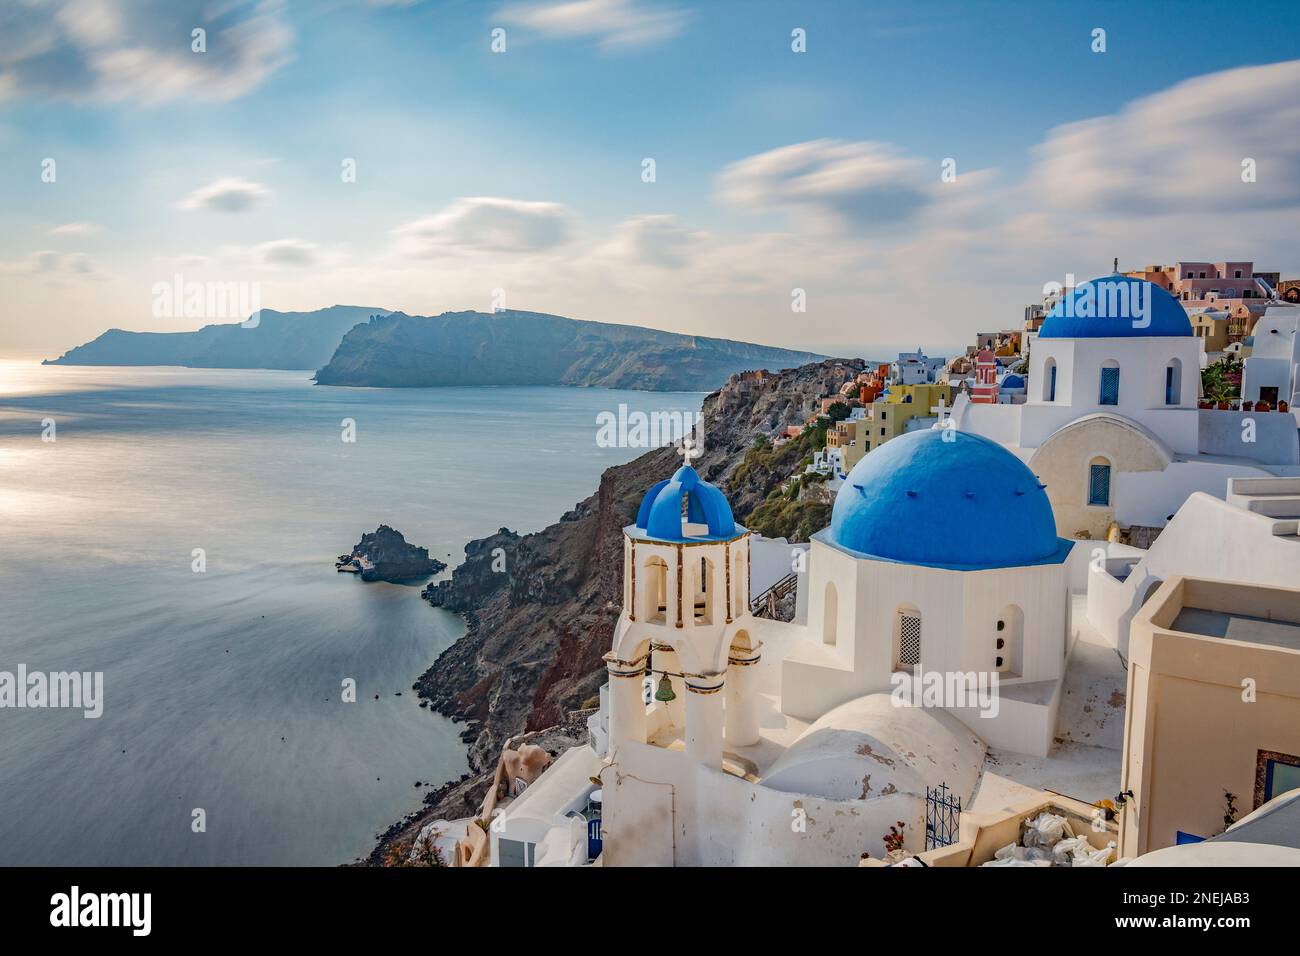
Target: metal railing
764 604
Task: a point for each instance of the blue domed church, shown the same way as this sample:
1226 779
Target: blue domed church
941 562
942 556
1111 423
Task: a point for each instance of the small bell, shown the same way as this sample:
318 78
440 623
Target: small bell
665 691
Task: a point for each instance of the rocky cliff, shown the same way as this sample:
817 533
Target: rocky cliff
532 348
540 621
284 340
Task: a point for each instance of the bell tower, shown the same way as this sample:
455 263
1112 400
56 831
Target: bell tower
684 623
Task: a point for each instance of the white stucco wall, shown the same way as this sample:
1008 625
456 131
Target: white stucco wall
1150 497
1276 440
959 612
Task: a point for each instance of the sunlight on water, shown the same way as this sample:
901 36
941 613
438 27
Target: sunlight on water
222 688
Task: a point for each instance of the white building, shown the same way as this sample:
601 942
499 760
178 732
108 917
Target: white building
1272 371
1111 421
895 586
916 368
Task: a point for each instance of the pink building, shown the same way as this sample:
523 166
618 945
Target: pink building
985 390
1203 284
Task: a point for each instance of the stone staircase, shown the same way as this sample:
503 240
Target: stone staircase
1276 498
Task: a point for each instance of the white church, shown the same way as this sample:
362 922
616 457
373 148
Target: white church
1112 423
755 724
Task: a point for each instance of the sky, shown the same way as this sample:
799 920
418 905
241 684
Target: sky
909 172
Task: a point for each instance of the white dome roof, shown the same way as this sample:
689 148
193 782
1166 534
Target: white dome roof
870 748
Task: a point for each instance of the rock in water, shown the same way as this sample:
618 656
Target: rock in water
385 555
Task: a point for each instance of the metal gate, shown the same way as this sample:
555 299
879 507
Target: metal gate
942 816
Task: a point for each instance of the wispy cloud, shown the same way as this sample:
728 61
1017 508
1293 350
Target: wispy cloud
53 267
142 50
294 253
76 229
832 185
231 194
658 240
1183 148
486 224
612 24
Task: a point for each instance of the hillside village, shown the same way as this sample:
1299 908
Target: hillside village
1037 604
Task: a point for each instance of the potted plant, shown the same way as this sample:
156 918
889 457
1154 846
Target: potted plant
894 842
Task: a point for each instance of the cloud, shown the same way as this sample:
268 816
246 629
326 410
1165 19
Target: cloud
139 50
51 266
286 252
76 229
231 194
831 185
655 240
486 224
1183 148
613 24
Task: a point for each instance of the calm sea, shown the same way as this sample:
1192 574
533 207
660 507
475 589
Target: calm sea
222 689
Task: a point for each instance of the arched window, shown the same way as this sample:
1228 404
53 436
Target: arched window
1009 642
1049 380
830 614
703 593
1109 384
1099 482
907 639
656 590
1173 382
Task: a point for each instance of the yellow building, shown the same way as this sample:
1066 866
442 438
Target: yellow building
1212 329
1212 729
887 417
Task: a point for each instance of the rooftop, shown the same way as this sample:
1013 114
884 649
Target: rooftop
1237 627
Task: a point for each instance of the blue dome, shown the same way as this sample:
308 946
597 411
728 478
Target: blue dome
1013 381
964 503
1114 307
660 514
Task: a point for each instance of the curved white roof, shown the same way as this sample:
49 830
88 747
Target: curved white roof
870 748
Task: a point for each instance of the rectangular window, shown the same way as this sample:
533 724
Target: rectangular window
1051 388
1109 386
909 641
1170 384
1099 485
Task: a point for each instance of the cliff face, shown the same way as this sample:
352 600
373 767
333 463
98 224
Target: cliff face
538 629
283 340
532 348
